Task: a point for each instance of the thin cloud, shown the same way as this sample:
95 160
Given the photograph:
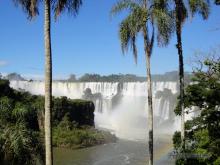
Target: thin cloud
3 63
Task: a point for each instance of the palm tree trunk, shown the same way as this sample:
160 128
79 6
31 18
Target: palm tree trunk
147 48
48 83
181 75
150 111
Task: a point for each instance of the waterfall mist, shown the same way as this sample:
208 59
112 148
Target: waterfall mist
120 107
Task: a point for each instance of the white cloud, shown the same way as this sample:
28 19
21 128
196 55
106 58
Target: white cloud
3 63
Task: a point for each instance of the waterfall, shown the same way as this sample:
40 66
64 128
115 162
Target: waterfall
122 107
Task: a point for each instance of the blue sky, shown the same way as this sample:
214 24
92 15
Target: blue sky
89 43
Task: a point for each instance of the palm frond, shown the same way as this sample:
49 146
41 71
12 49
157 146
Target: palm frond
134 48
72 7
160 4
217 2
29 6
129 29
142 13
200 6
124 5
165 26
127 33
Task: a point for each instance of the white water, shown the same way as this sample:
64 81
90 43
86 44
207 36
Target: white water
129 118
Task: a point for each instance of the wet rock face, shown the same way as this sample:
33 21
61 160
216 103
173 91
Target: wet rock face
116 99
83 113
96 98
167 96
88 95
79 111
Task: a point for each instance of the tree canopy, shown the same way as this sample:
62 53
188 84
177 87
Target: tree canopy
202 132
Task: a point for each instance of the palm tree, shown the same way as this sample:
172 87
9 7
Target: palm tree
148 18
217 2
181 13
58 6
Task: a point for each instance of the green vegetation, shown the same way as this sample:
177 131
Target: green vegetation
20 139
68 134
22 125
79 111
110 78
202 136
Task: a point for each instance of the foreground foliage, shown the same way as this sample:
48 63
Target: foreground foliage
20 140
22 126
202 132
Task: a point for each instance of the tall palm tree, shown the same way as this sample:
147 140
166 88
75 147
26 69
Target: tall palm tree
149 18
58 6
181 13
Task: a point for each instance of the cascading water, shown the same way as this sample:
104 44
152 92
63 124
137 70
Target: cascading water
120 107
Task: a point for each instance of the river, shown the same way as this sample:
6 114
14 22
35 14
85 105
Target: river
122 152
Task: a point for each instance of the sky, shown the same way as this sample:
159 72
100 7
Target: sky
89 43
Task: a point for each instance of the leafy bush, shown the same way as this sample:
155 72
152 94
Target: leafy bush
202 135
68 134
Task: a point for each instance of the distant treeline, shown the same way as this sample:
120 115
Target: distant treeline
168 76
